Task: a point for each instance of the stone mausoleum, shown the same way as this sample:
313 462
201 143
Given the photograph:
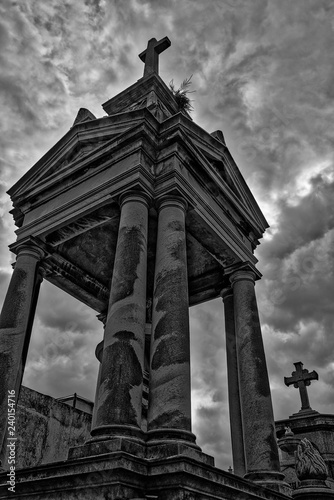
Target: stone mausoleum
141 214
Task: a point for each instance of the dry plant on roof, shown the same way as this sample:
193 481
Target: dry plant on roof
181 94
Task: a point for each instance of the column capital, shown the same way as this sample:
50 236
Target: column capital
31 250
135 195
226 292
242 275
171 200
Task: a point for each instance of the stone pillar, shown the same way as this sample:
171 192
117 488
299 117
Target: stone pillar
16 322
98 355
169 412
237 439
261 451
119 393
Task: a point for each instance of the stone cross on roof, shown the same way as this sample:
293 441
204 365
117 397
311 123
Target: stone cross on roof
300 379
150 56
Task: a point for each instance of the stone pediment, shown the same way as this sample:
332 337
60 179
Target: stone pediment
209 161
83 144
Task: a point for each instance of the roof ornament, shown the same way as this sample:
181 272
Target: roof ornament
150 56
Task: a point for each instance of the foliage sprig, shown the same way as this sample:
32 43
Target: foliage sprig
181 94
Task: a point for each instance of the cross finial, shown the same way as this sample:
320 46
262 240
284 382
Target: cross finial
150 56
300 379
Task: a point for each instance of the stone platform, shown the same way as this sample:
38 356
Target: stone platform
115 475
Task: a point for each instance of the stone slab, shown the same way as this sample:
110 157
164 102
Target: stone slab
121 475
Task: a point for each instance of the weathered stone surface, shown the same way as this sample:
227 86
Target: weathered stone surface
319 429
257 414
238 452
15 326
46 429
119 475
309 490
169 398
119 399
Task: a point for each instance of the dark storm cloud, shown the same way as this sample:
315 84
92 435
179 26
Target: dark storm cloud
66 313
214 437
61 357
209 390
62 362
299 225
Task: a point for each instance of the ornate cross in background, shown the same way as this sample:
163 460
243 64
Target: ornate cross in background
150 56
300 379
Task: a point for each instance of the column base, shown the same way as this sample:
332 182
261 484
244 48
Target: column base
271 480
313 489
107 444
104 432
173 449
155 450
157 436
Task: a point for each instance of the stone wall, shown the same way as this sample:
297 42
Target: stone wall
46 429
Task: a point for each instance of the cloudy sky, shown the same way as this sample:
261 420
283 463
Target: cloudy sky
263 74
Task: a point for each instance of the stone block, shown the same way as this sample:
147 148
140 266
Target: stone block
121 475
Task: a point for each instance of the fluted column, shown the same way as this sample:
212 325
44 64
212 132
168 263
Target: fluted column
16 323
119 393
262 462
237 439
169 412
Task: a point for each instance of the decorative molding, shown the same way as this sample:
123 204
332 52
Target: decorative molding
57 267
309 462
79 226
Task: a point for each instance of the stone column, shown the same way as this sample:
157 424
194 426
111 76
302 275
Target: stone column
237 439
261 451
16 322
98 355
119 393
169 412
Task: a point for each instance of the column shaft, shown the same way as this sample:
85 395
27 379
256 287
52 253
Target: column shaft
15 326
119 394
98 354
257 414
169 412
237 439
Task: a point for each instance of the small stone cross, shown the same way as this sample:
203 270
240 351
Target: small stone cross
150 56
300 380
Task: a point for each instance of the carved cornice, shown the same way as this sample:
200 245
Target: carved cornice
82 224
59 268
